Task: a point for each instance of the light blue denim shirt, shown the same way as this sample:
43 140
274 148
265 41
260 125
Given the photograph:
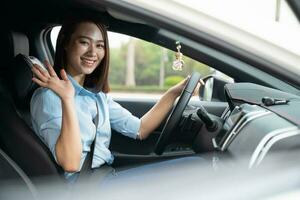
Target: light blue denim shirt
46 115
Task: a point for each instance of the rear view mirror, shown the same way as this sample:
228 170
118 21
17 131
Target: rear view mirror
213 89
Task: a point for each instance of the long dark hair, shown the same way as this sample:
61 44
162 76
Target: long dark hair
98 80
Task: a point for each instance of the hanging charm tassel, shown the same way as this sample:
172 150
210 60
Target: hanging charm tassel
178 63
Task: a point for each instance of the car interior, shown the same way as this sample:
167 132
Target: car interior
254 116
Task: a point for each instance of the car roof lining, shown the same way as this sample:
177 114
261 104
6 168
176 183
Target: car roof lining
121 16
295 6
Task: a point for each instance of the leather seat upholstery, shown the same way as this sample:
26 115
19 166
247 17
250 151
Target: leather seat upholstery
17 138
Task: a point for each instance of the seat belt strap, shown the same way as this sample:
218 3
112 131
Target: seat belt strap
87 165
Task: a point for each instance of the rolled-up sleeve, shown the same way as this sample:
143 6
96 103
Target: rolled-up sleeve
46 115
122 120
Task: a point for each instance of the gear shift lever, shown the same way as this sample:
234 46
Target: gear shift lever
203 115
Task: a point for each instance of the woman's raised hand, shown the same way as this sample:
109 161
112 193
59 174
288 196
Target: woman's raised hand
49 79
177 89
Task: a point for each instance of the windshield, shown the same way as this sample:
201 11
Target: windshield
271 20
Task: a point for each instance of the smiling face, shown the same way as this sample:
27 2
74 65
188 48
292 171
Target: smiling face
84 51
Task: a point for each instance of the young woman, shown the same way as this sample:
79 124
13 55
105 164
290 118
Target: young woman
74 93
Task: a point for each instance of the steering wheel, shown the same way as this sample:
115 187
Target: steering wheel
176 114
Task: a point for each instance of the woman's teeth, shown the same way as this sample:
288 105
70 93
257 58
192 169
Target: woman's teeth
89 62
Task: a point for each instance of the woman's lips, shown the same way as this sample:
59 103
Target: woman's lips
89 62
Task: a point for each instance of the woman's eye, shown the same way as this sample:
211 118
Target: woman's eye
84 42
100 46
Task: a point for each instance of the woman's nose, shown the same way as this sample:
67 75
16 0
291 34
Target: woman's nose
92 49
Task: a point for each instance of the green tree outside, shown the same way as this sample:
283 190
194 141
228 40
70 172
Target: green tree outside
147 66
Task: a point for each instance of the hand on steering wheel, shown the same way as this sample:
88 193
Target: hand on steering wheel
176 113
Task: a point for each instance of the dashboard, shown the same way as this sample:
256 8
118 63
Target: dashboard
254 128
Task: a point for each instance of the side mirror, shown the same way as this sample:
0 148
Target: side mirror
213 89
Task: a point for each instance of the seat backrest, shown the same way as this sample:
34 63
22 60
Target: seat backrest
12 43
17 138
22 85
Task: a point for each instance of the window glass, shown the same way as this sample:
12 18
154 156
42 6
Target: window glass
144 69
54 33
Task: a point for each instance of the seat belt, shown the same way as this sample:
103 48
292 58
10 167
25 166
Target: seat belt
87 164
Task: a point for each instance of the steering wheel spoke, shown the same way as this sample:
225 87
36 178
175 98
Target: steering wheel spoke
176 113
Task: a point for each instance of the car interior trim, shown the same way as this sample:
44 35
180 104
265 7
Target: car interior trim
20 172
240 124
266 143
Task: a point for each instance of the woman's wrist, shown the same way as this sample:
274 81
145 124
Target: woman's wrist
67 100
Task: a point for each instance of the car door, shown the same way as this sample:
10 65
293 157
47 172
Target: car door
139 97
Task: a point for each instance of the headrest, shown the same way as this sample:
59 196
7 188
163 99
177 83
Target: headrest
23 85
13 43
19 43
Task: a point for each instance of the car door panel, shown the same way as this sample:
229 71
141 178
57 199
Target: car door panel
138 107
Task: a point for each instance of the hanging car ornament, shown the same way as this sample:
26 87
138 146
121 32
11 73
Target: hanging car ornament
178 63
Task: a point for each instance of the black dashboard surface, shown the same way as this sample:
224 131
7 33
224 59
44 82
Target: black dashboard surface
253 128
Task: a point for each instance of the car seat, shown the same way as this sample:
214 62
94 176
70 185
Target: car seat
17 138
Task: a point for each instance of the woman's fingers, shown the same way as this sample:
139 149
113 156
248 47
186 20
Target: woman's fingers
201 82
40 83
40 74
196 91
184 81
41 70
63 75
50 69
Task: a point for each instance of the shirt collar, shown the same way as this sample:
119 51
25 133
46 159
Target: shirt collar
78 88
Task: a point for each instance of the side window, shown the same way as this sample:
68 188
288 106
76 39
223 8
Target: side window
144 69
54 33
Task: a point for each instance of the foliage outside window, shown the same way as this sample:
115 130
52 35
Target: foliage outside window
152 67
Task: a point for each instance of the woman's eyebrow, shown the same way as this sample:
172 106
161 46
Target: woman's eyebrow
87 37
